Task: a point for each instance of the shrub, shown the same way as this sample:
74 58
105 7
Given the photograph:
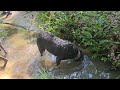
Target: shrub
3 33
95 31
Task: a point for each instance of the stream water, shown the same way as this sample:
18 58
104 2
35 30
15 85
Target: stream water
86 69
24 60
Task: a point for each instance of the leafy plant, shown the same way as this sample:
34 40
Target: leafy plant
96 31
3 33
45 74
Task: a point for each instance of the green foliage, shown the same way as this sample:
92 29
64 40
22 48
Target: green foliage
3 33
96 31
44 73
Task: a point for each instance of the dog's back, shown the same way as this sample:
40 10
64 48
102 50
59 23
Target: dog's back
50 37
52 43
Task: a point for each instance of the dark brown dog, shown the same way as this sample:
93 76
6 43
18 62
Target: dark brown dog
62 49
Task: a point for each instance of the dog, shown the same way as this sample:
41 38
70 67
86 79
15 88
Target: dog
62 49
3 58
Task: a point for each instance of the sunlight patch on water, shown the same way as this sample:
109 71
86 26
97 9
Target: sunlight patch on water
18 40
20 55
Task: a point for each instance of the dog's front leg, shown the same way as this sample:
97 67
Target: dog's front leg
58 60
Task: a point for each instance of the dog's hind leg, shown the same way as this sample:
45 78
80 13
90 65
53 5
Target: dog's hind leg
40 46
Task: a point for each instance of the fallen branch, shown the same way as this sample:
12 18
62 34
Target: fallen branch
3 58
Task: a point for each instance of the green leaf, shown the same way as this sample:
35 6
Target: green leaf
86 34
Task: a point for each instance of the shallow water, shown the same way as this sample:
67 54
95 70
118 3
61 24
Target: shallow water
86 69
20 52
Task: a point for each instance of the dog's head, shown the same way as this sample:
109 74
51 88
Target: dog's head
73 51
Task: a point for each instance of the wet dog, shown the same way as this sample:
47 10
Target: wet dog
61 48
